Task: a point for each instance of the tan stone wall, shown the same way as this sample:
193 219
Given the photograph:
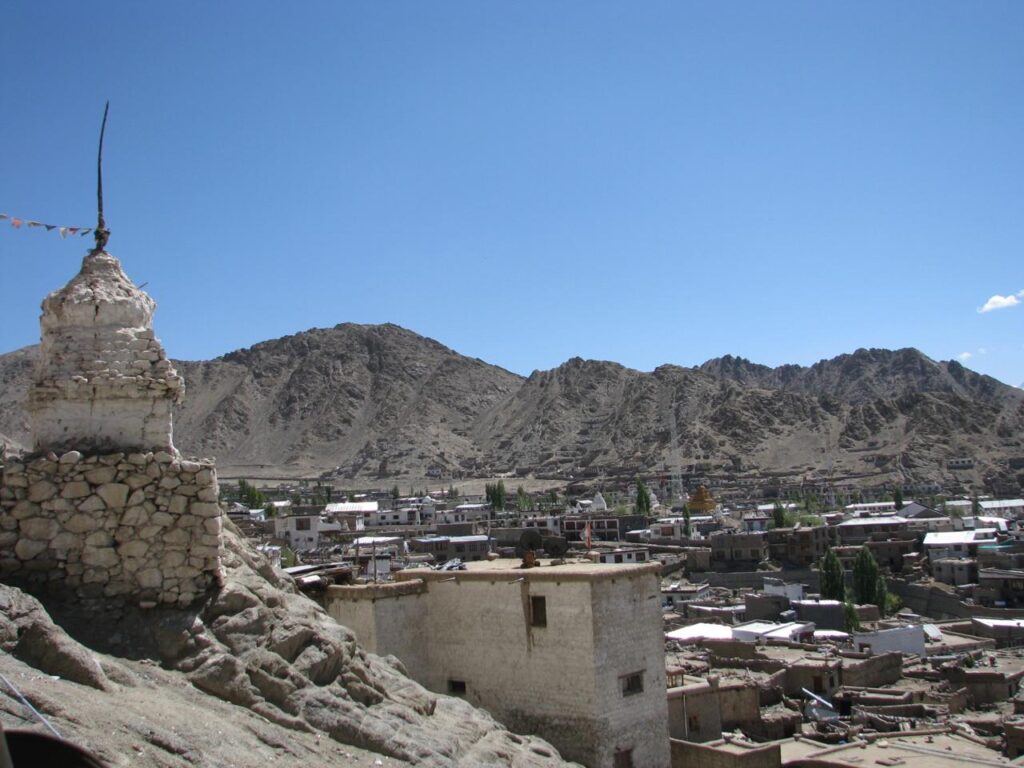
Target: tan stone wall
694 713
562 681
739 704
689 755
623 613
142 528
388 619
883 669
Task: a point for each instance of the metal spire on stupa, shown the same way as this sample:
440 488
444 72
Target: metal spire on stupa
102 234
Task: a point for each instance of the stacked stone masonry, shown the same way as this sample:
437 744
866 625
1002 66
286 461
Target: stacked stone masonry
137 528
103 381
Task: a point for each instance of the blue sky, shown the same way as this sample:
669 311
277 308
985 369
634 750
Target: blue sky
650 183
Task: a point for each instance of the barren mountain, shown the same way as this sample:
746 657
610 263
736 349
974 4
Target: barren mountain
381 401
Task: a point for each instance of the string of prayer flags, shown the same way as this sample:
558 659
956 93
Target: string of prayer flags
31 224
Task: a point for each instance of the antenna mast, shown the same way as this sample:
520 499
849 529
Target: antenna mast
102 234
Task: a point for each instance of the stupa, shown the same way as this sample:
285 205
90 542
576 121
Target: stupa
103 381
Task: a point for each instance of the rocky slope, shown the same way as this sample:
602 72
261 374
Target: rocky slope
257 674
380 401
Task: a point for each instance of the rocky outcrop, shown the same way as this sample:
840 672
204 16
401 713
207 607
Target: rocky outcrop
262 647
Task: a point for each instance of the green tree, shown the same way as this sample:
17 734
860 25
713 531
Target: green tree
524 502
288 558
452 492
865 577
686 522
778 516
892 603
881 596
251 496
833 577
495 495
395 492
850 615
643 498
897 498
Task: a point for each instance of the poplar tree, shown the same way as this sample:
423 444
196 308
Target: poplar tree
643 498
865 577
833 578
881 595
850 615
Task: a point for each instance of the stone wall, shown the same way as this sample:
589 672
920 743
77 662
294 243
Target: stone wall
473 633
755 579
688 755
871 671
384 618
137 528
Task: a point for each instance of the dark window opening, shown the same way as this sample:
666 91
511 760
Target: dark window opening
302 524
538 612
457 687
623 758
632 684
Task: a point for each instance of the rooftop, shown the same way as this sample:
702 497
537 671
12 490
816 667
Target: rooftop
925 749
880 520
547 570
946 538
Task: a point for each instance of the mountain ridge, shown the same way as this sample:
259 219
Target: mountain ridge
378 401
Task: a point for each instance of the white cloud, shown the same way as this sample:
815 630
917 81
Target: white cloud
965 356
1000 302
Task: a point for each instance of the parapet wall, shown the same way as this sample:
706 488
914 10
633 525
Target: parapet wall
142 528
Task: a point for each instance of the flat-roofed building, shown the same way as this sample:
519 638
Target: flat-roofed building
857 530
944 545
587 635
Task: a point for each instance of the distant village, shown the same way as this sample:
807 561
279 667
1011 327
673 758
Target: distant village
785 633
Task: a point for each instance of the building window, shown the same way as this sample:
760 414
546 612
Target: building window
302 524
538 611
457 687
623 758
632 684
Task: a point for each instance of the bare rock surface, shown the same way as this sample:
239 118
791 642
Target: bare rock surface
259 673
